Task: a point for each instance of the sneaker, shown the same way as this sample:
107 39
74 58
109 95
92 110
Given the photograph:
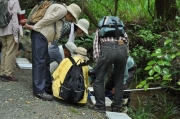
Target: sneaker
44 96
100 109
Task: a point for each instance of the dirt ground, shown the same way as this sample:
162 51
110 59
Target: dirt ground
18 102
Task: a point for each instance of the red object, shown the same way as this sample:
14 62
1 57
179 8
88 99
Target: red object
21 17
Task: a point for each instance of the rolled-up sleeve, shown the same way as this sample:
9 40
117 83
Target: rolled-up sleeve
54 13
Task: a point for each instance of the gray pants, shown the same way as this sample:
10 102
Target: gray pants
111 53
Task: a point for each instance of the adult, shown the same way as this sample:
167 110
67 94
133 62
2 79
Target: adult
57 54
9 37
75 29
108 51
128 78
42 33
60 73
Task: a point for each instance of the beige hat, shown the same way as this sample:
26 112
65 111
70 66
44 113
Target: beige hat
83 24
74 9
71 47
82 52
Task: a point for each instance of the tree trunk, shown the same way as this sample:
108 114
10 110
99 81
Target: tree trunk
165 9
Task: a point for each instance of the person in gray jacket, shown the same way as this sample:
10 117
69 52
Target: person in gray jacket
42 33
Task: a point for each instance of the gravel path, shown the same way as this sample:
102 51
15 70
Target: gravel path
18 102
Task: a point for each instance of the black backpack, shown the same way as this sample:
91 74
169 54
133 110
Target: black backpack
111 26
5 16
72 89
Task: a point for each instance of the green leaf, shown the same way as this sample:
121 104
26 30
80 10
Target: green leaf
173 56
167 57
161 63
154 54
151 62
151 72
165 71
148 68
167 63
150 78
178 54
157 68
178 83
158 77
159 56
167 77
139 86
146 86
167 41
143 82
158 51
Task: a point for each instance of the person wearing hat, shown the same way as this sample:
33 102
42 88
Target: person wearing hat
108 51
74 29
80 55
43 32
57 54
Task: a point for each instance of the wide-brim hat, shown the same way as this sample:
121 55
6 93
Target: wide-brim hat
83 24
82 52
74 9
71 47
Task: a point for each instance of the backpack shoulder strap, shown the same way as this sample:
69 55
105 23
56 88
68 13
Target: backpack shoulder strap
72 60
82 64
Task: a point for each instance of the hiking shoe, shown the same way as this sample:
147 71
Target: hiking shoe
100 109
3 79
116 109
8 78
44 96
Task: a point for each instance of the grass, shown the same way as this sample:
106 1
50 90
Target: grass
142 111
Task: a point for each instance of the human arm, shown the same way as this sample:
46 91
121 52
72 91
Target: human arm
54 13
15 8
71 35
131 73
96 47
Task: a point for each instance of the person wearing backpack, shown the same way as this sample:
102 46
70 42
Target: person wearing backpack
57 54
109 48
71 29
130 70
9 34
45 30
61 75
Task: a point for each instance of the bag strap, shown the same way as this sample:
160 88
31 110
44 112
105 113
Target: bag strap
72 60
83 64
55 31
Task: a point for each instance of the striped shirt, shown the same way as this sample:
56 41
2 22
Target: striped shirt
96 43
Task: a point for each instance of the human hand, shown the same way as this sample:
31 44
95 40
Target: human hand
23 22
30 27
18 53
113 90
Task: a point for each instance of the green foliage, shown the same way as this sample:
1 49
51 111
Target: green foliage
169 107
128 10
163 63
142 111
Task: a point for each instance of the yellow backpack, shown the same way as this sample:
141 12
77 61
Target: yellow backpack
37 13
